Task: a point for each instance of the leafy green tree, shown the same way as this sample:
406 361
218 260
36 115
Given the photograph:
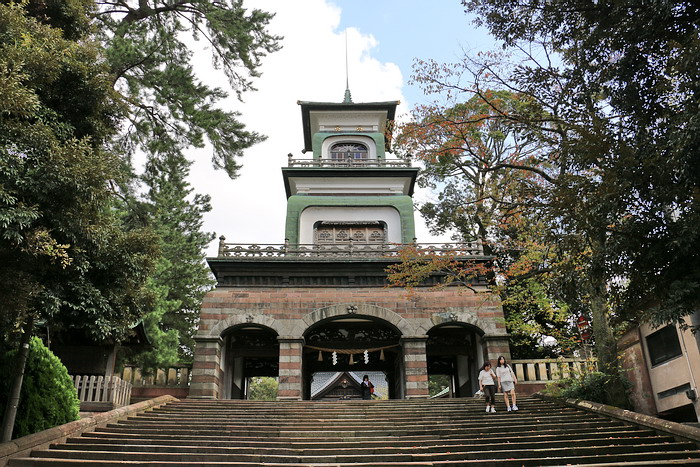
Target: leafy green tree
262 388
182 277
486 171
168 108
612 97
48 396
436 383
622 99
65 257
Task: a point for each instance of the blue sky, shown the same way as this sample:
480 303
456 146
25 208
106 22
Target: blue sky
411 29
384 37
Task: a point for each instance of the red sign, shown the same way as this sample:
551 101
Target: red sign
582 322
586 334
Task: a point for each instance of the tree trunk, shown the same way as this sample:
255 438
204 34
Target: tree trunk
8 420
605 343
606 347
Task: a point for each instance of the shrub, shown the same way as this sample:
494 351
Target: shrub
594 386
262 388
48 397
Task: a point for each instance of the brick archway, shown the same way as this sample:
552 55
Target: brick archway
352 326
349 309
243 318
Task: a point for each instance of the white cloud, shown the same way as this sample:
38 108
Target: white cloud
310 67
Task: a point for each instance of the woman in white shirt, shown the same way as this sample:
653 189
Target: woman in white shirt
506 381
488 386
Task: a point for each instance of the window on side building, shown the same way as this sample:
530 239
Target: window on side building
663 345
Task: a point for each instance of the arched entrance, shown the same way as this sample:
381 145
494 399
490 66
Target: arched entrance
249 350
455 353
359 344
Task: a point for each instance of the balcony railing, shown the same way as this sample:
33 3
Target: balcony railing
354 163
343 250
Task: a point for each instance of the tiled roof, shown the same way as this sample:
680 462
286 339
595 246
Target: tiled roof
322 379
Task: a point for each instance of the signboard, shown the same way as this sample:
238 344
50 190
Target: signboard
582 322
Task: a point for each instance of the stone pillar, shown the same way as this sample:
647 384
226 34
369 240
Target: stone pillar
415 366
290 371
206 369
495 347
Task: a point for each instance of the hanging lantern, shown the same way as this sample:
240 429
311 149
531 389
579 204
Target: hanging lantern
320 356
352 362
381 355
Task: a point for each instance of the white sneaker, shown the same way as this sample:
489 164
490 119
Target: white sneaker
488 409
493 410
515 407
508 409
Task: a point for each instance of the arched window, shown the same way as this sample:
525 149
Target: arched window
343 151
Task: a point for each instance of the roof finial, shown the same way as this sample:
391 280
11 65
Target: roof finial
348 97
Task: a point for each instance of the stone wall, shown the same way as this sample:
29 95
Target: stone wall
635 369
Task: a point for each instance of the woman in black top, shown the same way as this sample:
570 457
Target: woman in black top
367 388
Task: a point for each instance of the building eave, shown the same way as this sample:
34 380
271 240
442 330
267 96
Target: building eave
339 271
349 172
307 107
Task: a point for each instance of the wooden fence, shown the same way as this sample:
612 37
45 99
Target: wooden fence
172 376
99 393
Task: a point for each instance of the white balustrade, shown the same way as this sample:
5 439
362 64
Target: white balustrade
548 370
100 389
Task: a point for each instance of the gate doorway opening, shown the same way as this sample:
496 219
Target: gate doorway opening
353 346
454 353
249 351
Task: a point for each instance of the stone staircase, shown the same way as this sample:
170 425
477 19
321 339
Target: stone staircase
365 433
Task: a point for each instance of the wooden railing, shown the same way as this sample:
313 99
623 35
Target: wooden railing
172 376
98 389
548 370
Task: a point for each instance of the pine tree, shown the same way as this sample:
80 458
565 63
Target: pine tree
182 277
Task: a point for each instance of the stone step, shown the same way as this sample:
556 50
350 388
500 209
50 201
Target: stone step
634 459
408 441
392 404
367 406
365 433
358 448
376 424
485 454
354 418
495 424
619 460
348 414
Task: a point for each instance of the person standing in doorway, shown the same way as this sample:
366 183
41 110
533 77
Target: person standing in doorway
488 386
367 388
506 382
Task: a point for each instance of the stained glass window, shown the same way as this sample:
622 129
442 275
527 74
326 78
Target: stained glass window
343 151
